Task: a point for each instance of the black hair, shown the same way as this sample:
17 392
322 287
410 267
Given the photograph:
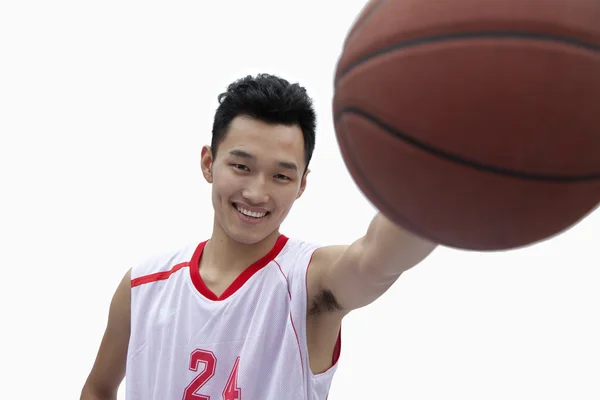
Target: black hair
270 99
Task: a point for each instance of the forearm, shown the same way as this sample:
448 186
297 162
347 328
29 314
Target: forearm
89 394
390 250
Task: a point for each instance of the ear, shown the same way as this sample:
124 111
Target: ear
206 163
303 183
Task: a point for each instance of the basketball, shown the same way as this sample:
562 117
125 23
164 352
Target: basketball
474 124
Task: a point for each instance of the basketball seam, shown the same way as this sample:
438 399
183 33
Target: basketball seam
371 192
467 36
464 161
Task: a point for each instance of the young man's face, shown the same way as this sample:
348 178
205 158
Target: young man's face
256 176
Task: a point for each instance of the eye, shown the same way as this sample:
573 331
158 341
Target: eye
282 177
241 167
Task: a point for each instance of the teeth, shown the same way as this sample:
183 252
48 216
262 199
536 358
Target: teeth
251 213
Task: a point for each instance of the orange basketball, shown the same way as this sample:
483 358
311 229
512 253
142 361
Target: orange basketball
474 123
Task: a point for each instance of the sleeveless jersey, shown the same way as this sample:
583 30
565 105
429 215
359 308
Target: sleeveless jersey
248 344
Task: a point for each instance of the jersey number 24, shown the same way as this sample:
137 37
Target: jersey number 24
209 361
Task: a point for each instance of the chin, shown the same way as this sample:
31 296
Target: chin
250 234
247 237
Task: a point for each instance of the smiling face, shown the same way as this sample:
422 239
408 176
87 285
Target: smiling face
256 176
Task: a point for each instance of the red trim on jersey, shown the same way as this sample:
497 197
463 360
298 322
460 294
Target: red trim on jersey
337 349
240 280
298 342
157 276
284 277
292 318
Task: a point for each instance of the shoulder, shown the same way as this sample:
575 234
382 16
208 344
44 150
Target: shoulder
327 255
294 246
295 253
308 253
311 253
164 260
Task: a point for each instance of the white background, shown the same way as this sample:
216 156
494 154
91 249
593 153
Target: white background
104 107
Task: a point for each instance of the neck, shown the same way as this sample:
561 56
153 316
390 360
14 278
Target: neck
226 255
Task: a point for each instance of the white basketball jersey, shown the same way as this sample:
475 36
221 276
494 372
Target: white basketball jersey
248 344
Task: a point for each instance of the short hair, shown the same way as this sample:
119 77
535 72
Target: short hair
270 99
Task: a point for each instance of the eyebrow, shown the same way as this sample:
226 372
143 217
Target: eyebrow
241 154
283 164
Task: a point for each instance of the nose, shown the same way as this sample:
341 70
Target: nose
256 192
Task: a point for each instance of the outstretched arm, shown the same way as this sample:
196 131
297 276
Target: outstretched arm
358 274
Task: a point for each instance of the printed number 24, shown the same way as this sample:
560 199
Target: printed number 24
209 361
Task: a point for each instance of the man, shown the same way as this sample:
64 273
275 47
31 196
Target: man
248 314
